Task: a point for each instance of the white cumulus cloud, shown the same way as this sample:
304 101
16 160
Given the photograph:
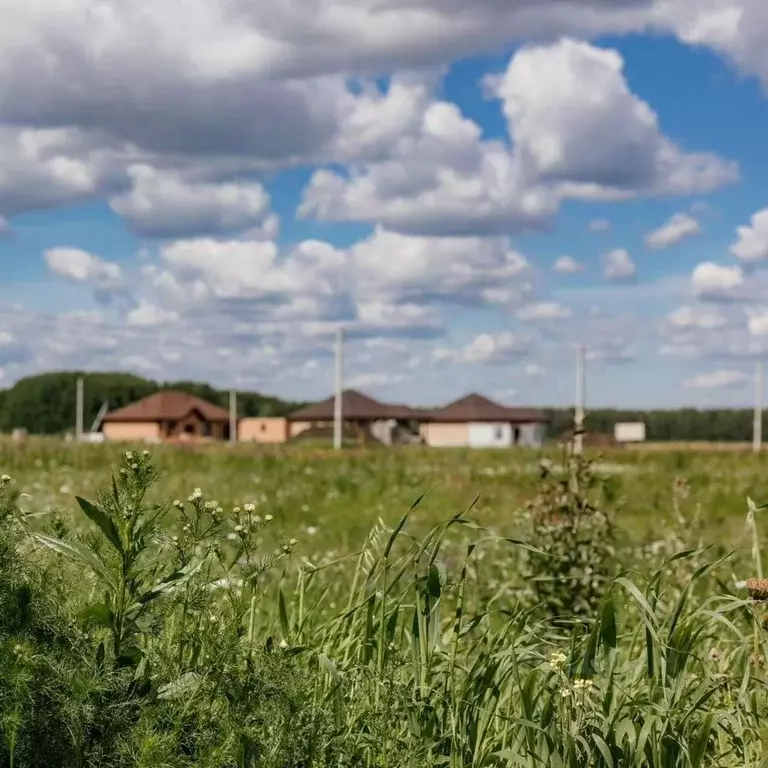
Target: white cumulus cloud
618 265
752 243
678 228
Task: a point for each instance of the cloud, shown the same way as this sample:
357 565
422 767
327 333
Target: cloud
679 227
577 132
758 323
445 268
146 314
164 204
716 282
618 266
702 318
752 243
486 348
534 370
542 311
736 28
567 265
84 267
575 121
719 379
599 225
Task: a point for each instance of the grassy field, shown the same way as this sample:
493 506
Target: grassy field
529 610
331 502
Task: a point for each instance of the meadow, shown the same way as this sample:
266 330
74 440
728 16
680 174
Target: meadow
252 607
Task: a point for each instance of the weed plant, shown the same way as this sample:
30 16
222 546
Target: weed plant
189 634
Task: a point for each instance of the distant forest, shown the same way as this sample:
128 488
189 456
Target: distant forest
45 404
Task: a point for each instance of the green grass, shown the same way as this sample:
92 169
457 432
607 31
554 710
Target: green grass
400 628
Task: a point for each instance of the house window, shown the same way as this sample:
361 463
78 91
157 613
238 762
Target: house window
498 434
189 429
263 427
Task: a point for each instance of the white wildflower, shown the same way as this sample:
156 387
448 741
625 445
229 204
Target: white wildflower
557 660
250 507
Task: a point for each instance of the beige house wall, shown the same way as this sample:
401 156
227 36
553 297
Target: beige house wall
263 430
134 431
445 435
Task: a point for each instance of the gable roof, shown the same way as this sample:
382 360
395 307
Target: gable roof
354 405
475 407
169 405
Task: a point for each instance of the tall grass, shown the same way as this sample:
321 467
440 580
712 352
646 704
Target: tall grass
151 633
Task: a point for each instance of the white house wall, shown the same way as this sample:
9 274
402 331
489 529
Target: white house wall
531 435
490 435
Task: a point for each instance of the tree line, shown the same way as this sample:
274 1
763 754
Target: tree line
681 424
45 404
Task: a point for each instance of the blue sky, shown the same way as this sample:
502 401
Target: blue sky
210 195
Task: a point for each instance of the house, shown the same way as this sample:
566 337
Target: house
263 429
168 415
477 422
364 416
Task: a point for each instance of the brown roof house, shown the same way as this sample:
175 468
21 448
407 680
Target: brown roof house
364 418
169 415
475 421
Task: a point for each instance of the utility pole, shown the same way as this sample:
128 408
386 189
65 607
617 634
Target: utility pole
757 428
232 417
338 416
79 410
578 414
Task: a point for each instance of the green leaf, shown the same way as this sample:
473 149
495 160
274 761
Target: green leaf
608 624
700 745
82 556
283 612
188 683
99 614
434 581
107 526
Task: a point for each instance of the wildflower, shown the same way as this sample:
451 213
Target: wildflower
145 454
197 494
123 471
283 644
129 455
250 507
236 510
293 542
305 508
5 479
582 684
268 518
565 691
178 504
557 660
715 654
238 528
311 530
758 589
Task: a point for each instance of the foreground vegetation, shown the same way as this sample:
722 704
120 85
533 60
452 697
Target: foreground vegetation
304 609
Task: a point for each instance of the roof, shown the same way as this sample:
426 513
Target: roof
475 407
354 405
169 405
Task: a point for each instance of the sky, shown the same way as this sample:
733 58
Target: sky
209 189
